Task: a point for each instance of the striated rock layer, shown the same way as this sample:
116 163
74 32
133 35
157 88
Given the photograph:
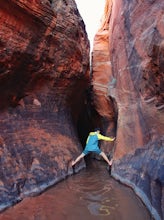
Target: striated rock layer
128 71
44 71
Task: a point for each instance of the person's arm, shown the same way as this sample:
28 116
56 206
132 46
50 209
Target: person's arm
102 137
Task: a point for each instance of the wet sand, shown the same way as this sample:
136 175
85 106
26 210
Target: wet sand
89 195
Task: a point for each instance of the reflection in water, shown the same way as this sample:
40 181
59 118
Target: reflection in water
91 195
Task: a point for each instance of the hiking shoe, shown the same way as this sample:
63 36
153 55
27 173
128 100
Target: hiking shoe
109 168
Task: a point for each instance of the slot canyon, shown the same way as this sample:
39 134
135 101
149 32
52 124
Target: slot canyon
52 95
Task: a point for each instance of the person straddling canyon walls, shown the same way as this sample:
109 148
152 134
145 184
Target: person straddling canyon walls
92 146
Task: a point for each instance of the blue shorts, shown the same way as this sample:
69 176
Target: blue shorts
97 151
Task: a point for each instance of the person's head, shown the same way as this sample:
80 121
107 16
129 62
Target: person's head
97 130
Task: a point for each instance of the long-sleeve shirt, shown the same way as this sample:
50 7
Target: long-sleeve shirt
92 140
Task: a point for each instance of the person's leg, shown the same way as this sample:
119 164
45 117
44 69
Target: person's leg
78 159
106 158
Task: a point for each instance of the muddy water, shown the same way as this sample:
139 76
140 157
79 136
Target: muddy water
89 195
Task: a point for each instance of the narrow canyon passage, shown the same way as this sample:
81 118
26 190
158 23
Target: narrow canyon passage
91 194
52 94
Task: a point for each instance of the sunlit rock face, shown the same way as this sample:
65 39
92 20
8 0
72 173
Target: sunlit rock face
128 68
101 78
44 71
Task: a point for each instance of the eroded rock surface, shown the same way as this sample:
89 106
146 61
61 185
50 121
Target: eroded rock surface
128 68
44 71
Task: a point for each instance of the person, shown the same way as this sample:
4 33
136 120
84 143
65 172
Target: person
92 146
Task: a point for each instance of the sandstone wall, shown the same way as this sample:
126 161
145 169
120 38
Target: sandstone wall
44 71
128 68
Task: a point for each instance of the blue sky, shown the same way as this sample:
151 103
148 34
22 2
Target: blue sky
91 12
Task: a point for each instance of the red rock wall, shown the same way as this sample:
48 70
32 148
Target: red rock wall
128 68
44 71
101 78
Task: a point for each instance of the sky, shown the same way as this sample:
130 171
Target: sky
91 11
